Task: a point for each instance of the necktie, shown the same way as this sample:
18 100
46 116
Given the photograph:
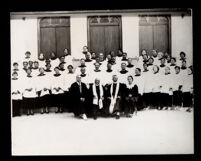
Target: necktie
80 85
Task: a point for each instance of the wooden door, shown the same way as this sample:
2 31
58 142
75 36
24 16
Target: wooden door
104 34
54 34
154 33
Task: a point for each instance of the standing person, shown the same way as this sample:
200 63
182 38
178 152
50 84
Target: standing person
131 97
16 94
28 55
29 93
41 60
78 92
114 97
97 94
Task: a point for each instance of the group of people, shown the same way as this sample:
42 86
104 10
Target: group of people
109 85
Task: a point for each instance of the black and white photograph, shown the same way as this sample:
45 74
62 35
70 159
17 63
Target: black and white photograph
102 82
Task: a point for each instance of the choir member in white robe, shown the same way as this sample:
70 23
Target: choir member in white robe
43 88
119 55
107 75
82 65
29 92
62 67
123 73
177 87
93 56
188 88
155 57
96 72
166 85
150 63
162 66
172 64
54 60
27 56
183 68
85 76
16 94
41 60
130 66
57 90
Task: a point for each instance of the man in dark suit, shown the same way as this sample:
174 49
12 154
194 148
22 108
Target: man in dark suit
114 97
78 91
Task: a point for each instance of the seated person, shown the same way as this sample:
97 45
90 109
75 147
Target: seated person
87 57
101 56
130 65
183 65
82 63
119 53
97 94
35 65
109 58
173 61
30 64
83 72
162 63
97 67
57 73
25 65
79 94
131 97
109 68
93 56
61 66
182 56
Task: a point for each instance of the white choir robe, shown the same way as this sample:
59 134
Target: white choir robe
106 77
156 82
43 82
156 61
139 81
55 63
68 79
149 84
131 70
69 60
150 67
184 72
41 63
35 72
86 80
166 83
122 78
118 59
16 86
177 79
103 66
172 70
57 82
28 84
187 83
93 75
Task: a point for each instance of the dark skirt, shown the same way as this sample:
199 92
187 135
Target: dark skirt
177 98
131 104
16 107
29 103
187 99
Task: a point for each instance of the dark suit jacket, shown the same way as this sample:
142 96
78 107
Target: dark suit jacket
120 93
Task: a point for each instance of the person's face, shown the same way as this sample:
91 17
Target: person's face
137 72
183 64
28 71
97 59
41 71
62 59
167 70
189 71
163 61
182 56
82 62
168 58
109 66
65 52
160 55
70 69
30 63
155 69
27 55
97 81
61 66
36 65
78 79
145 57
87 56
97 66
93 55
101 57
144 52
177 70
123 66
41 56
172 61
129 61
15 66
25 65
48 66
145 66
112 53
150 61
119 53
130 80
53 55
83 70
85 49
109 57
15 75
124 56
114 78
113 59
154 53
56 71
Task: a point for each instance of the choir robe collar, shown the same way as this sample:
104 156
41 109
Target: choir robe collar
88 60
82 75
29 76
15 70
167 73
48 70
130 65
137 75
172 64
108 70
14 78
129 86
124 59
41 59
149 64
162 65
41 74
97 70
123 71
61 69
82 66
34 68
183 68
145 70
57 75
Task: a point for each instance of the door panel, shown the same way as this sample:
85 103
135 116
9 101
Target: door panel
47 41
112 39
161 37
62 38
97 39
146 38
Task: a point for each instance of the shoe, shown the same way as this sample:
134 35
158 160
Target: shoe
95 117
117 117
84 117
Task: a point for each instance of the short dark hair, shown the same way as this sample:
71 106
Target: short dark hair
61 63
182 53
14 73
70 66
25 62
130 76
178 67
173 58
15 63
28 52
138 69
35 61
56 68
